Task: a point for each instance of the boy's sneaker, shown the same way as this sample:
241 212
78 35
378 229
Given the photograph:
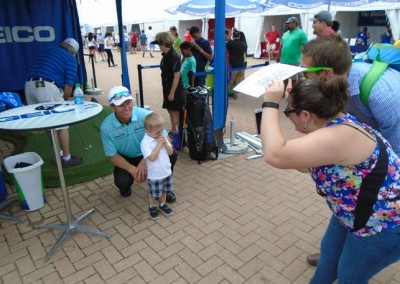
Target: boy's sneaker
73 161
166 210
153 212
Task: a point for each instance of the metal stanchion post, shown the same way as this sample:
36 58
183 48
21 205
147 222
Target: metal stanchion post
140 84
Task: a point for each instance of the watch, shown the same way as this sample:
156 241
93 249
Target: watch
270 104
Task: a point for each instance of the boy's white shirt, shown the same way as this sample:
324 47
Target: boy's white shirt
159 168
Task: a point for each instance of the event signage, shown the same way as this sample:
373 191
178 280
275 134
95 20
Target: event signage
28 27
26 34
58 110
372 18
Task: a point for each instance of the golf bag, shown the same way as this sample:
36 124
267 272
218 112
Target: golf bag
201 141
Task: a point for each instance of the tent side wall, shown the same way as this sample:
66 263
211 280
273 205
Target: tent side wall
187 24
248 25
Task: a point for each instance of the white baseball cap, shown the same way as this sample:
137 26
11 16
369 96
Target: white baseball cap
72 42
119 95
98 31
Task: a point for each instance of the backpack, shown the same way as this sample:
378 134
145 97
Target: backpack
201 141
382 56
9 100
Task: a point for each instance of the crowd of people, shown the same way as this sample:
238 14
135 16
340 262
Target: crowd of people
351 151
133 42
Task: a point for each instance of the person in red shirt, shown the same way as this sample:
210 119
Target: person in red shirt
134 41
187 35
271 38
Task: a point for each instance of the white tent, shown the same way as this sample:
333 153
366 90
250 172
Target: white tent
347 16
102 13
348 19
277 17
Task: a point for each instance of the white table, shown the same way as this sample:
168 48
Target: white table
29 118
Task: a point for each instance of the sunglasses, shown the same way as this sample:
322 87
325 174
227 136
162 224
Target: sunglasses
319 18
288 111
119 96
317 69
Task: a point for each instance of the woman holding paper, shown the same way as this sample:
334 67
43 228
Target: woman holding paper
354 168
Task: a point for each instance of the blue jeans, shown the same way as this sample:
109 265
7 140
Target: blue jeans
352 259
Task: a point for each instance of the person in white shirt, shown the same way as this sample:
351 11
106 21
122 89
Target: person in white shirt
108 46
150 38
156 149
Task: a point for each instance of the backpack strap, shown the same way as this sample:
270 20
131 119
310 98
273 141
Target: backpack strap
370 78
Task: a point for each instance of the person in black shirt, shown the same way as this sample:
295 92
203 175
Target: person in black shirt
173 90
237 50
202 52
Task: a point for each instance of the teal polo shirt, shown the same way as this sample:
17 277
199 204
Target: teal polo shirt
291 46
123 139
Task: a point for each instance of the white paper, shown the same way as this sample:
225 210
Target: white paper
254 85
352 42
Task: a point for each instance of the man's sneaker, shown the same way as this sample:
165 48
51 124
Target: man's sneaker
73 161
153 212
166 210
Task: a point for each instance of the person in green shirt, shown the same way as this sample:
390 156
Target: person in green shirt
290 50
177 41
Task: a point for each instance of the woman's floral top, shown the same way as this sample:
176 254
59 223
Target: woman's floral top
340 185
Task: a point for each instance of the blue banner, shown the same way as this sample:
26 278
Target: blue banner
26 27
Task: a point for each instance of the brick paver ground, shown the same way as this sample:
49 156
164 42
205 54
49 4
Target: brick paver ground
235 220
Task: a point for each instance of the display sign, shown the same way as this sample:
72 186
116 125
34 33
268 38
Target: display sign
372 18
254 85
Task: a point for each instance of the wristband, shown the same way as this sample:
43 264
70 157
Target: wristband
270 105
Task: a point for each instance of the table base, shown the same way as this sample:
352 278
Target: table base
3 205
70 228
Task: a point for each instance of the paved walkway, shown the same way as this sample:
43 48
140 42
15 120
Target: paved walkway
235 221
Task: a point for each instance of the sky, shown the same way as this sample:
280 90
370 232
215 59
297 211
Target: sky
103 12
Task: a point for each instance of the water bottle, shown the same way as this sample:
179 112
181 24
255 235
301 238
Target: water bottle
79 99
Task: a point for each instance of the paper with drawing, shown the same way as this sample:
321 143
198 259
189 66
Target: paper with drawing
254 85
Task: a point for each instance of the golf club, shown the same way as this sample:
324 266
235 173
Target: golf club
87 146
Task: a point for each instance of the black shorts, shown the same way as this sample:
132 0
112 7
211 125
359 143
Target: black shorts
178 102
134 45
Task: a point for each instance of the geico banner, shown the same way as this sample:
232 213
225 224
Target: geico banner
27 34
26 27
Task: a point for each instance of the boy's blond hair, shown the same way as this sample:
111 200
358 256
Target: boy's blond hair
153 120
